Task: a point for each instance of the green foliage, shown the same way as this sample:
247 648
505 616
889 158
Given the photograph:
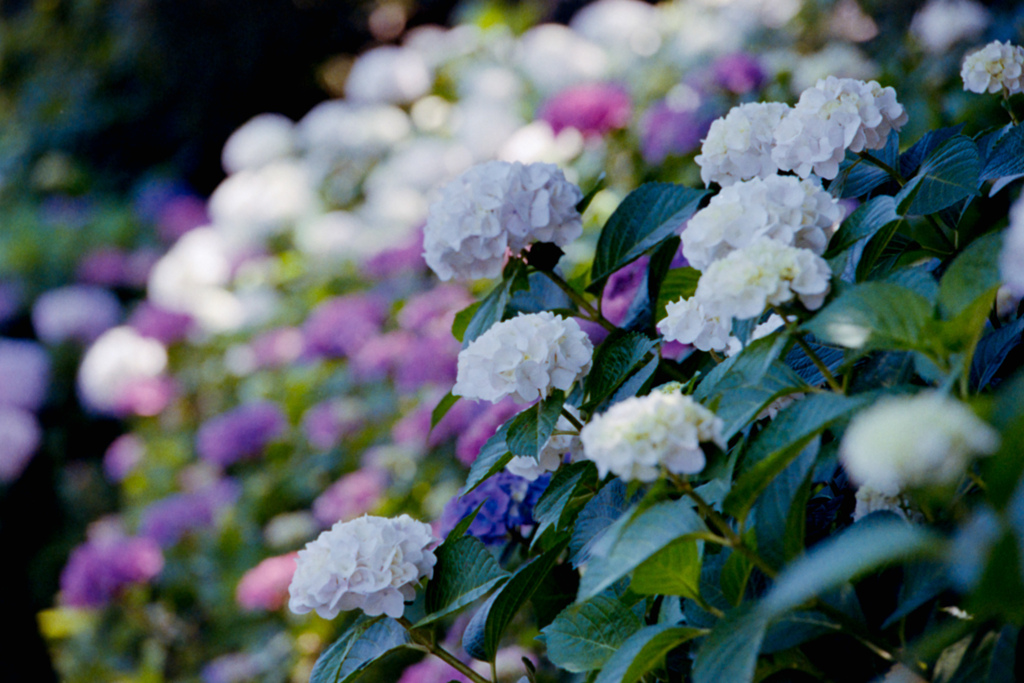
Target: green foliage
587 634
366 641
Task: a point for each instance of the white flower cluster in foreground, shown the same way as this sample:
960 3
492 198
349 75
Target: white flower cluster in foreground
997 66
1011 259
636 437
368 563
740 286
785 208
525 358
836 115
905 442
496 207
564 440
738 146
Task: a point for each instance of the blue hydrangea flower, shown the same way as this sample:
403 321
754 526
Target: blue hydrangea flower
508 503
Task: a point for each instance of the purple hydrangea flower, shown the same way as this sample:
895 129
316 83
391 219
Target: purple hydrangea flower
432 670
105 266
665 130
328 422
278 347
169 519
240 433
11 297
353 495
167 327
475 435
25 369
390 263
237 667
621 288
19 438
434 311
593 109
78 313
738 72
340 326
508 503
122 456
98 569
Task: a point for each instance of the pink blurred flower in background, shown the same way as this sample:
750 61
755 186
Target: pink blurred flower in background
265 586
593 109
20 436
353 495
122 456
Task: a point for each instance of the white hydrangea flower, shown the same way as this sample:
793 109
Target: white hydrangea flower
119 359
738 146
836 115
869 500
388 74
496 207
940 24
525 358
565 440
787 209
913 441
761 273
254 204
687 322
1011 259
636 437
997 66
368 563
263 139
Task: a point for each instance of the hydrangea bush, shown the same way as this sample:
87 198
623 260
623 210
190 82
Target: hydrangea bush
752 417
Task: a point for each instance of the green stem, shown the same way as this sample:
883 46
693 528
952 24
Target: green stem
1008 108
802 343
438 651
592 313
875 161
672 372
572 419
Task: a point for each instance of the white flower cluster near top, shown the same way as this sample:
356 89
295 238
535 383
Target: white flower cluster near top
368 563
498 208
995 67
525 357
639 436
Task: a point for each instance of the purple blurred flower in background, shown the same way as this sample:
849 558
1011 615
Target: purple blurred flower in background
340 326
122 456
434 311
77 313
593 109
406 258
101 567
411 360
665 130
508 503
353 495
237 667
25 373
171 205
11 297
158 323
19 438
104 266
167 520
482 428
738 72
265 586
278 347
621 289
240 433
432 670
328 422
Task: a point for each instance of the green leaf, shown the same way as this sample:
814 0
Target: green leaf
745 369
674 570
644 651
614 361
679 283
870 544
465 571
781 509
366 641
783 440
868 219
599 185
735 573
950 173
442 408
729 653
492 309
493 456
484 631
597 516
739 406
871 259
658 268
464 317
530 430
911 160
563 496
973 274
646 534
585 635
1006 158
647 216
874 315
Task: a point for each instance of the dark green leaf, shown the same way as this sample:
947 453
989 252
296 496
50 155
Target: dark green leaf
562 497
493 456
780 511
614 361
973 274
484 631
868 219
658 268
949 174
876 248
595 518
492 309
589 196
911 160
992 350
530 430
795 629
647 216
465 571
636 384
874 315
735 574
644 651
646 534
463 318
730 651
745 369
739 406
674 570
585 635
679 283
442 408
1006 156
858 176
366 641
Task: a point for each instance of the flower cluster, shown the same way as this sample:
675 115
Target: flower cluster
240 433
564 441
785 208
997 66
508 502
1011 258
836 115
905 442
106 564
639 436
496 207
738 146
368 563
525 358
